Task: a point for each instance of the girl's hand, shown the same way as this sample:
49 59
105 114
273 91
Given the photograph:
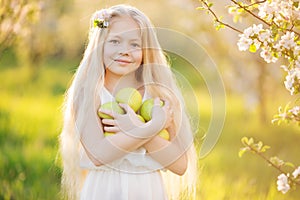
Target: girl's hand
162 113
121 122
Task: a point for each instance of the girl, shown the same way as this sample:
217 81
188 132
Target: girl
123 51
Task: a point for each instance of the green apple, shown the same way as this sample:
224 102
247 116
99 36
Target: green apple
141 118
130 96
146 109
164 134
113 106
108 133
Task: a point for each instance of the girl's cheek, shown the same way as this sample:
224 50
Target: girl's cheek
138 54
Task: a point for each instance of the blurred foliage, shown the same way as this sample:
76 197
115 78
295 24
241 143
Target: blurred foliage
16 18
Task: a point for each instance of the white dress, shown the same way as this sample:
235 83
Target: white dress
136 176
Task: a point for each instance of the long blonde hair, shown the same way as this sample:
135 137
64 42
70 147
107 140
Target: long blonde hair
88 80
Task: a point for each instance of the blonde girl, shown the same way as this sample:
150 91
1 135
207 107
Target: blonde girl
134 163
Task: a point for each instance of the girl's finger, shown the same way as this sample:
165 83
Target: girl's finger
112 129
110 122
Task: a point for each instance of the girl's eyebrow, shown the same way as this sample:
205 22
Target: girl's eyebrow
114 36
136 39
120 37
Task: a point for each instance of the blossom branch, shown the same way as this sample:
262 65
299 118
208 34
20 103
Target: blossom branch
250 12
216 18
256 3
259 149
257 17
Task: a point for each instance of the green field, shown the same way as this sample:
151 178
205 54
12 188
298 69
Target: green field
30 122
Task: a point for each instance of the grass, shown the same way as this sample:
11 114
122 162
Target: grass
30 121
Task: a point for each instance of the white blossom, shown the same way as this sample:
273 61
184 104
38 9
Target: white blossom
277 11
252 30
292 79
249 37
297 51
288 40
297 171
265 35
296 111
282 183
266 11
266 54
257 43
244 42
285 10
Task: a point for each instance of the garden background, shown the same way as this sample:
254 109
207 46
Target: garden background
36 68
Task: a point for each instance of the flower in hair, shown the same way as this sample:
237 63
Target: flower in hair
101 23
101 18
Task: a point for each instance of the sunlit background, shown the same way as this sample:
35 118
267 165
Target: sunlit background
40 55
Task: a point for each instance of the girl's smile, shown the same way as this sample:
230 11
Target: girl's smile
123 61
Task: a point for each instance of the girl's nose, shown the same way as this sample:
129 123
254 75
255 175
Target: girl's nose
124 49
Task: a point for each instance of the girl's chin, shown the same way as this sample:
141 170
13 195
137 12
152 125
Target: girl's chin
120 72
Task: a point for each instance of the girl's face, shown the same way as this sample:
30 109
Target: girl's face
123 47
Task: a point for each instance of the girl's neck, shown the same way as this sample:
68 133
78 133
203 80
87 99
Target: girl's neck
115 82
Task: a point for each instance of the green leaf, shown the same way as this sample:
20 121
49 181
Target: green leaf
265 148
200 8
210 4
243 150
252 48
220 26
240 10
245 140
236 18
251 141
289 164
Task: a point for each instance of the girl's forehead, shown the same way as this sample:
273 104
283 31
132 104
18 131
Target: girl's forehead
124 26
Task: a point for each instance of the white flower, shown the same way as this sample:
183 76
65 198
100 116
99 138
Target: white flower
265 35
288 40
297 50
257 43
266 54
292 79
257 28
252 30
266 11
297 171
285 8
295 111
282 183
244 42
289 83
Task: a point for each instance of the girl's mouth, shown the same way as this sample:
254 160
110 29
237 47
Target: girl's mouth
123 62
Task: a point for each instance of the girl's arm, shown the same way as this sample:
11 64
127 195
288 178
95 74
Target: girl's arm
170 154
103 150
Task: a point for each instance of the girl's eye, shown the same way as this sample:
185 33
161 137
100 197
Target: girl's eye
136 45
114 41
